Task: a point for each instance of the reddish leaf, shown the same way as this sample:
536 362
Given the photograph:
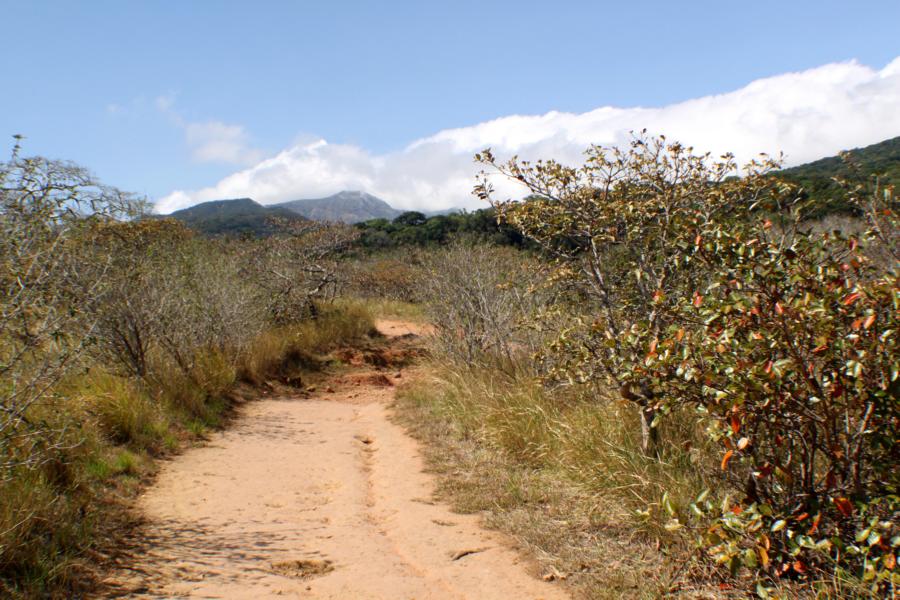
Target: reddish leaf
889 561
815 524
779 309
799 566
727 458
850 298
736 509
735 424
844 505
698 300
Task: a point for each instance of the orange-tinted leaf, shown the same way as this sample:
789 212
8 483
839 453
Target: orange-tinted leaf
735 424
868 322
889 561
815 524
856 324
851 298
844 505
698 300
727 458
736 509
799 566
802 516
779 309
764 557
679 335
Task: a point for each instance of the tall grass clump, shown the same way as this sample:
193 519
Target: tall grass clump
569 433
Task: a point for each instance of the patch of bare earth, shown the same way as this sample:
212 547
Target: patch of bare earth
320 497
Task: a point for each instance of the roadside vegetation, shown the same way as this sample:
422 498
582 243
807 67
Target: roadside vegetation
661 377
692 361
121 340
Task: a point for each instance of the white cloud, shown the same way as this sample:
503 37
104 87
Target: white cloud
807 115
211 141
214 141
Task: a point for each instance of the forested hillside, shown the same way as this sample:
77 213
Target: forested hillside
857 166
237 217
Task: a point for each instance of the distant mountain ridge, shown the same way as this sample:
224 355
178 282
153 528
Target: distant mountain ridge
241 216
245 216
346 207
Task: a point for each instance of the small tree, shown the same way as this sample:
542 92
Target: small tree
296 266
620 229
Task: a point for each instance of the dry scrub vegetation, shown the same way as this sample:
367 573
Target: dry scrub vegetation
691 389
124 337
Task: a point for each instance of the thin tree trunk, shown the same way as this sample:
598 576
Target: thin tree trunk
649 434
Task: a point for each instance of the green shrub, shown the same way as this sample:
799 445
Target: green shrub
780 341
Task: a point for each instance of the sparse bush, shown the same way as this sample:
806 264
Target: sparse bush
120 334
478 297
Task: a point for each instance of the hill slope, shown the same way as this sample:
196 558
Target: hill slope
348 207
241 216
882 159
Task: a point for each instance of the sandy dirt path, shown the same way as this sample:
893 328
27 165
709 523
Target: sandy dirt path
318 498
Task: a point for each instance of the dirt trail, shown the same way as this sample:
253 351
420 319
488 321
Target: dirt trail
318 498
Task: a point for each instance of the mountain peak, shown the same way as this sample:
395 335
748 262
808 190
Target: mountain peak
348 206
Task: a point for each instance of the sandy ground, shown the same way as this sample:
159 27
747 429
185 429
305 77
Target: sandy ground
318 498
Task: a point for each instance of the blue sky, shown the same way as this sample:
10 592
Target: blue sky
156 97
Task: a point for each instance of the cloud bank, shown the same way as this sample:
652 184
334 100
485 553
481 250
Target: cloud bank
806 115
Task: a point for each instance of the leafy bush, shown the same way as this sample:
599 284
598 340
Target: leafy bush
780 339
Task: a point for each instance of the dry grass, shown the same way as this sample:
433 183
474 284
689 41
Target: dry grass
562 474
